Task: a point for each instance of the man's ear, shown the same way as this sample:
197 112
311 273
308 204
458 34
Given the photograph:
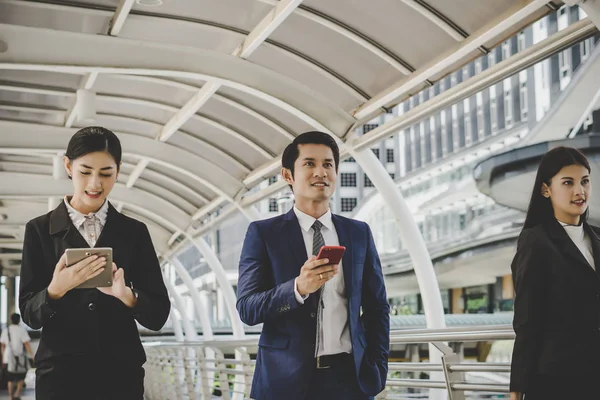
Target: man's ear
287 176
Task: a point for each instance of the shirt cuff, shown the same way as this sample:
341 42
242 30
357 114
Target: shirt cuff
300 299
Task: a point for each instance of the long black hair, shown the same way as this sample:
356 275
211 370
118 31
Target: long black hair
92 139
540 208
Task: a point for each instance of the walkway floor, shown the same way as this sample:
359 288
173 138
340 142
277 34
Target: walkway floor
27 394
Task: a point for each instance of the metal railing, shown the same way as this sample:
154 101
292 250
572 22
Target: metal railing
223 368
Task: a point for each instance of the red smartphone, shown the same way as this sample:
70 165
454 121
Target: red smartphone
332 253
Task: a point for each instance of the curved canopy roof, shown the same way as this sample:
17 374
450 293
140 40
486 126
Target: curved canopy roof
206 94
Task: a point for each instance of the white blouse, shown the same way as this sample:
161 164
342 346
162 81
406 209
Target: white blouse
90 226
582 240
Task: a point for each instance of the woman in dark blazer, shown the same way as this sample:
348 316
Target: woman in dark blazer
556 353
90 346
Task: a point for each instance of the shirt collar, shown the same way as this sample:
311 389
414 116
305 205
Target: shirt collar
79 218
306 221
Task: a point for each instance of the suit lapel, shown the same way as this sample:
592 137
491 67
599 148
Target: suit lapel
61 224
293 233
111 231
347 260
595 239
566 245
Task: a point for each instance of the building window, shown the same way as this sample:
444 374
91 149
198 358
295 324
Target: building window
585 49
508 108
524 101
369 127
389 110
376 152
480 121
562 10
468 132
390 155
348 179
392 175
505 50
368 182
478 67
350 159
563 63
493 114
273 207
348 204
272 180
521 43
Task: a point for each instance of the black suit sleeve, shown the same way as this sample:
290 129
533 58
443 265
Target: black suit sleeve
35 305
153 304
530 288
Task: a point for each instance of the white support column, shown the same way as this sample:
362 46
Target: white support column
58 168
53 202
220 305
198 301
221 278
250 212
183 372
58 173
177 328
188 327
415 244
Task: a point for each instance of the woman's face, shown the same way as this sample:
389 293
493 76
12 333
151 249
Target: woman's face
570 191
94 176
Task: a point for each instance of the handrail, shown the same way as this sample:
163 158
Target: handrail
194 369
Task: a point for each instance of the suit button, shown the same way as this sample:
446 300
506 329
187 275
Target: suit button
313 315
92 306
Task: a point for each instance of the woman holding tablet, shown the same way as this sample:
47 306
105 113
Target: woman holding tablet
90 346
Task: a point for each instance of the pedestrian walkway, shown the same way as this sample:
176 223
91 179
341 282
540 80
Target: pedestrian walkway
26 394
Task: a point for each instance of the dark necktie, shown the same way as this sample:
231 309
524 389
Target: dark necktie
318 242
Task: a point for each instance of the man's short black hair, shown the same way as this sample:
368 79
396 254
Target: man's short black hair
15 319
291 152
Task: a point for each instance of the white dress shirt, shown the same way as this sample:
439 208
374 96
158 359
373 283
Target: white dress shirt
90 228
335 335
582 240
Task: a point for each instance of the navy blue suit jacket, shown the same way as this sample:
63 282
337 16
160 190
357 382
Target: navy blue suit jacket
273 253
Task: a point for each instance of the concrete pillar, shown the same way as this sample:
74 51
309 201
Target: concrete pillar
11 291
508 289
458 303
221 309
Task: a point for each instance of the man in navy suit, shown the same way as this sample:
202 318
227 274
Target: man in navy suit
315 342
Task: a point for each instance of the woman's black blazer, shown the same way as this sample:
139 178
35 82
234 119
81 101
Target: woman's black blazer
86 322
557 306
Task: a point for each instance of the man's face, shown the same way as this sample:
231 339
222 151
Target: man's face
315 174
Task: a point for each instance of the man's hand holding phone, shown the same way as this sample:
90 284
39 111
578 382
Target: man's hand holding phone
317 270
